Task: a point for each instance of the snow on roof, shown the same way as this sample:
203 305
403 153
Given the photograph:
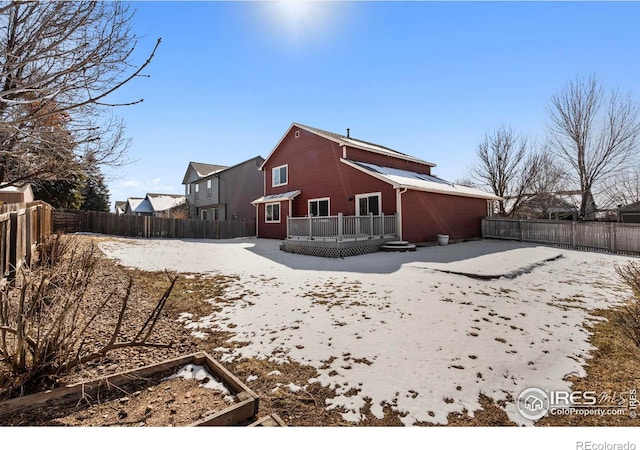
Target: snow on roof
276 197
418 181
204 170
133 202
162 202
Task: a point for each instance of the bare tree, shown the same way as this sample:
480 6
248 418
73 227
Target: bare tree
59 62
623 188
508 167
594 133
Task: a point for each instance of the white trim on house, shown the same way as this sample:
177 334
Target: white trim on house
367 195
273 173
320 199
266 207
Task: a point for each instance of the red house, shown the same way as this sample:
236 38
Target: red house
325 187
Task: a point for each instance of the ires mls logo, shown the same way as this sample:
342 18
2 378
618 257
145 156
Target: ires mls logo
535 403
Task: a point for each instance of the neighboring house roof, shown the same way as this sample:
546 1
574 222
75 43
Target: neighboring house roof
202 170
162 202
25 190
417 181
630 207
154 203
276 197
121 205
133 202
351 142
143 207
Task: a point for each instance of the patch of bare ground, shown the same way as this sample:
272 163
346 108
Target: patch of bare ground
611 373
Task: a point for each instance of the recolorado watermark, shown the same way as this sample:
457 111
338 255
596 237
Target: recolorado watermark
535 403
589 445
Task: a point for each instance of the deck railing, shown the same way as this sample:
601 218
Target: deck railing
340 227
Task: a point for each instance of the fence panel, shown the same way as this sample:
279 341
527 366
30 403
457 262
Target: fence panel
145 226
600 236
22 227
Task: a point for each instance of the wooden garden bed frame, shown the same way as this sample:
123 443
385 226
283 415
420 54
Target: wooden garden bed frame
241 412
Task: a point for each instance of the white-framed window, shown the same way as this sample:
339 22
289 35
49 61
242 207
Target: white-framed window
189 189
197 189
319 207
369 204
280 175
203 214
272 212
209 187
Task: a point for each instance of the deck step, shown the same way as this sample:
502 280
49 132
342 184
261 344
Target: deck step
398 246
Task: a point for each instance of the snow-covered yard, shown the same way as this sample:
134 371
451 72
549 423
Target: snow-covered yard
418 332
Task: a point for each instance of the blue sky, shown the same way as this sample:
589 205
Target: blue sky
425 78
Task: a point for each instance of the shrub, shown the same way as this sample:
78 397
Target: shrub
45 315
628 315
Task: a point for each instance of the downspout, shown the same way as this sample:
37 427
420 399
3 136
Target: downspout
399 192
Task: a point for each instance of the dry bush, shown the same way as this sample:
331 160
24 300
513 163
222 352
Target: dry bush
628 315
45 315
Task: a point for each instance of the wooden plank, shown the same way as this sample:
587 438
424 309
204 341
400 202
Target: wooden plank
232 415
272 420
239 412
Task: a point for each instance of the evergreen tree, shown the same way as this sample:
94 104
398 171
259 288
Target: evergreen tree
94 192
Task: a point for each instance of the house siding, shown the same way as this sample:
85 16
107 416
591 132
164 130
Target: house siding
315 169
425 215
232 191
273 230
239 186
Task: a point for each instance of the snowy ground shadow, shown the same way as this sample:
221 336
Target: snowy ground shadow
469 258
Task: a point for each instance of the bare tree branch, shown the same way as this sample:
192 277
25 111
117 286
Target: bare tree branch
59 63
595 133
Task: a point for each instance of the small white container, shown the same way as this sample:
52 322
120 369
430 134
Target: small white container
443 239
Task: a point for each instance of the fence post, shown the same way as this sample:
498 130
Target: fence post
370 224
520 229
382 225
28 241
13 245
573 234
310 227
340 226
612 237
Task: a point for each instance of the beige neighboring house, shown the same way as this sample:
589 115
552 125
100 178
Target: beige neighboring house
16 194
154 205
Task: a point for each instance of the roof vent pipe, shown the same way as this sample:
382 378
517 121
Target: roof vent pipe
348 133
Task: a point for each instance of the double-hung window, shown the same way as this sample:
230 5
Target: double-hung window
272 212
209 187
280 175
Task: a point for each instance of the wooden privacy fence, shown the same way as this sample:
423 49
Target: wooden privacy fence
600 236
22 227
149 227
